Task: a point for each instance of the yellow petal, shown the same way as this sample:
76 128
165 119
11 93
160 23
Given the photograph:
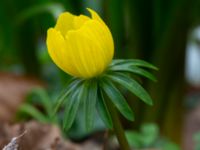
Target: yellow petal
84 54
57 49
100 34
95 16
90 49
65 23
108 38
80 20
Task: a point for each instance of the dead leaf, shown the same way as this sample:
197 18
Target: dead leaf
13 145
41 137
13 89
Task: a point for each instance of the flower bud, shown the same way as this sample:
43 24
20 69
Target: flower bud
81 46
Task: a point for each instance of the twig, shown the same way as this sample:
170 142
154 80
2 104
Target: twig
13 145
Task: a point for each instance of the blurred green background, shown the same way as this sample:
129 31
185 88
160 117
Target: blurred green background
157 31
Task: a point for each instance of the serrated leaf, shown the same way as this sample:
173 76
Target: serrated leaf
33 112
90 103
71 107
133 69
103 111
117 99
133 62
132 85
71 85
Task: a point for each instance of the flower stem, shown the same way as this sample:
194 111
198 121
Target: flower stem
118 129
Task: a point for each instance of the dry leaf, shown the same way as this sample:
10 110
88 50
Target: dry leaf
13 89
41 136
13 145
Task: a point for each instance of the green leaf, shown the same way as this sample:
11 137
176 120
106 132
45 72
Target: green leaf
170 146
118 100
133 62
196 137
103 111
71 86
149 133
32 111
71 107
134 139
44 98
133 69
54 8
90 99
132 85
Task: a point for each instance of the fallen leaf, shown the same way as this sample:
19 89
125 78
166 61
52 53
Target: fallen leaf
41 136
13 90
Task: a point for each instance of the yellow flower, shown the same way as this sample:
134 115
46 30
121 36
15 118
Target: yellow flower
79 45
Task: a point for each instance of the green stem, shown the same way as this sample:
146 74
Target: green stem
118 129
